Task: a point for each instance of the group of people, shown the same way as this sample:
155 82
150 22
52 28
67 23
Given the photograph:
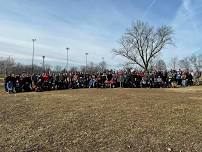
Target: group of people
108 79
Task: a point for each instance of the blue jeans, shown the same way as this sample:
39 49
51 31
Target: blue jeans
91 83
9 86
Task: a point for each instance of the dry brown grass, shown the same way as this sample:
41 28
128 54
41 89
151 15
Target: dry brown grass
1 89
102 120
1 79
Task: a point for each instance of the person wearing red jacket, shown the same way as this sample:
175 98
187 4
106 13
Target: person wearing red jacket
45 77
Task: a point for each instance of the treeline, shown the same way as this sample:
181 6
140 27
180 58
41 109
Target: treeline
193 62
8 65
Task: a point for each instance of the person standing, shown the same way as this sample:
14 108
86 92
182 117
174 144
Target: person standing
197 76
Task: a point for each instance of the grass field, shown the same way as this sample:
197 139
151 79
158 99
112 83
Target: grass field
102 120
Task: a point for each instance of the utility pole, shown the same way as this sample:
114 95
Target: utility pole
43 63
33 40
67 59
86 61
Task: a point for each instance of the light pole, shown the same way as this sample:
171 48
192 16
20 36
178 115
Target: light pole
43 63
86 61
103 62
67 59
33 40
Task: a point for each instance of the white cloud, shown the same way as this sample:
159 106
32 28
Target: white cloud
16 41
149 8
53 36
187 30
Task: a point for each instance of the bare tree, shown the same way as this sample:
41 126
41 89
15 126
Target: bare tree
102 66
73 69
47 67
82 68
142 43
127 67
6 65
184 63
160 65
93 68
173 63
196 61
58 68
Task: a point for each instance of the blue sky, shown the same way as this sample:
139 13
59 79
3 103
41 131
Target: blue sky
92 26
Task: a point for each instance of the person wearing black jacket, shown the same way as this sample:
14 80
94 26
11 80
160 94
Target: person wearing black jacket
190 79
18 84
27 83
10 83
